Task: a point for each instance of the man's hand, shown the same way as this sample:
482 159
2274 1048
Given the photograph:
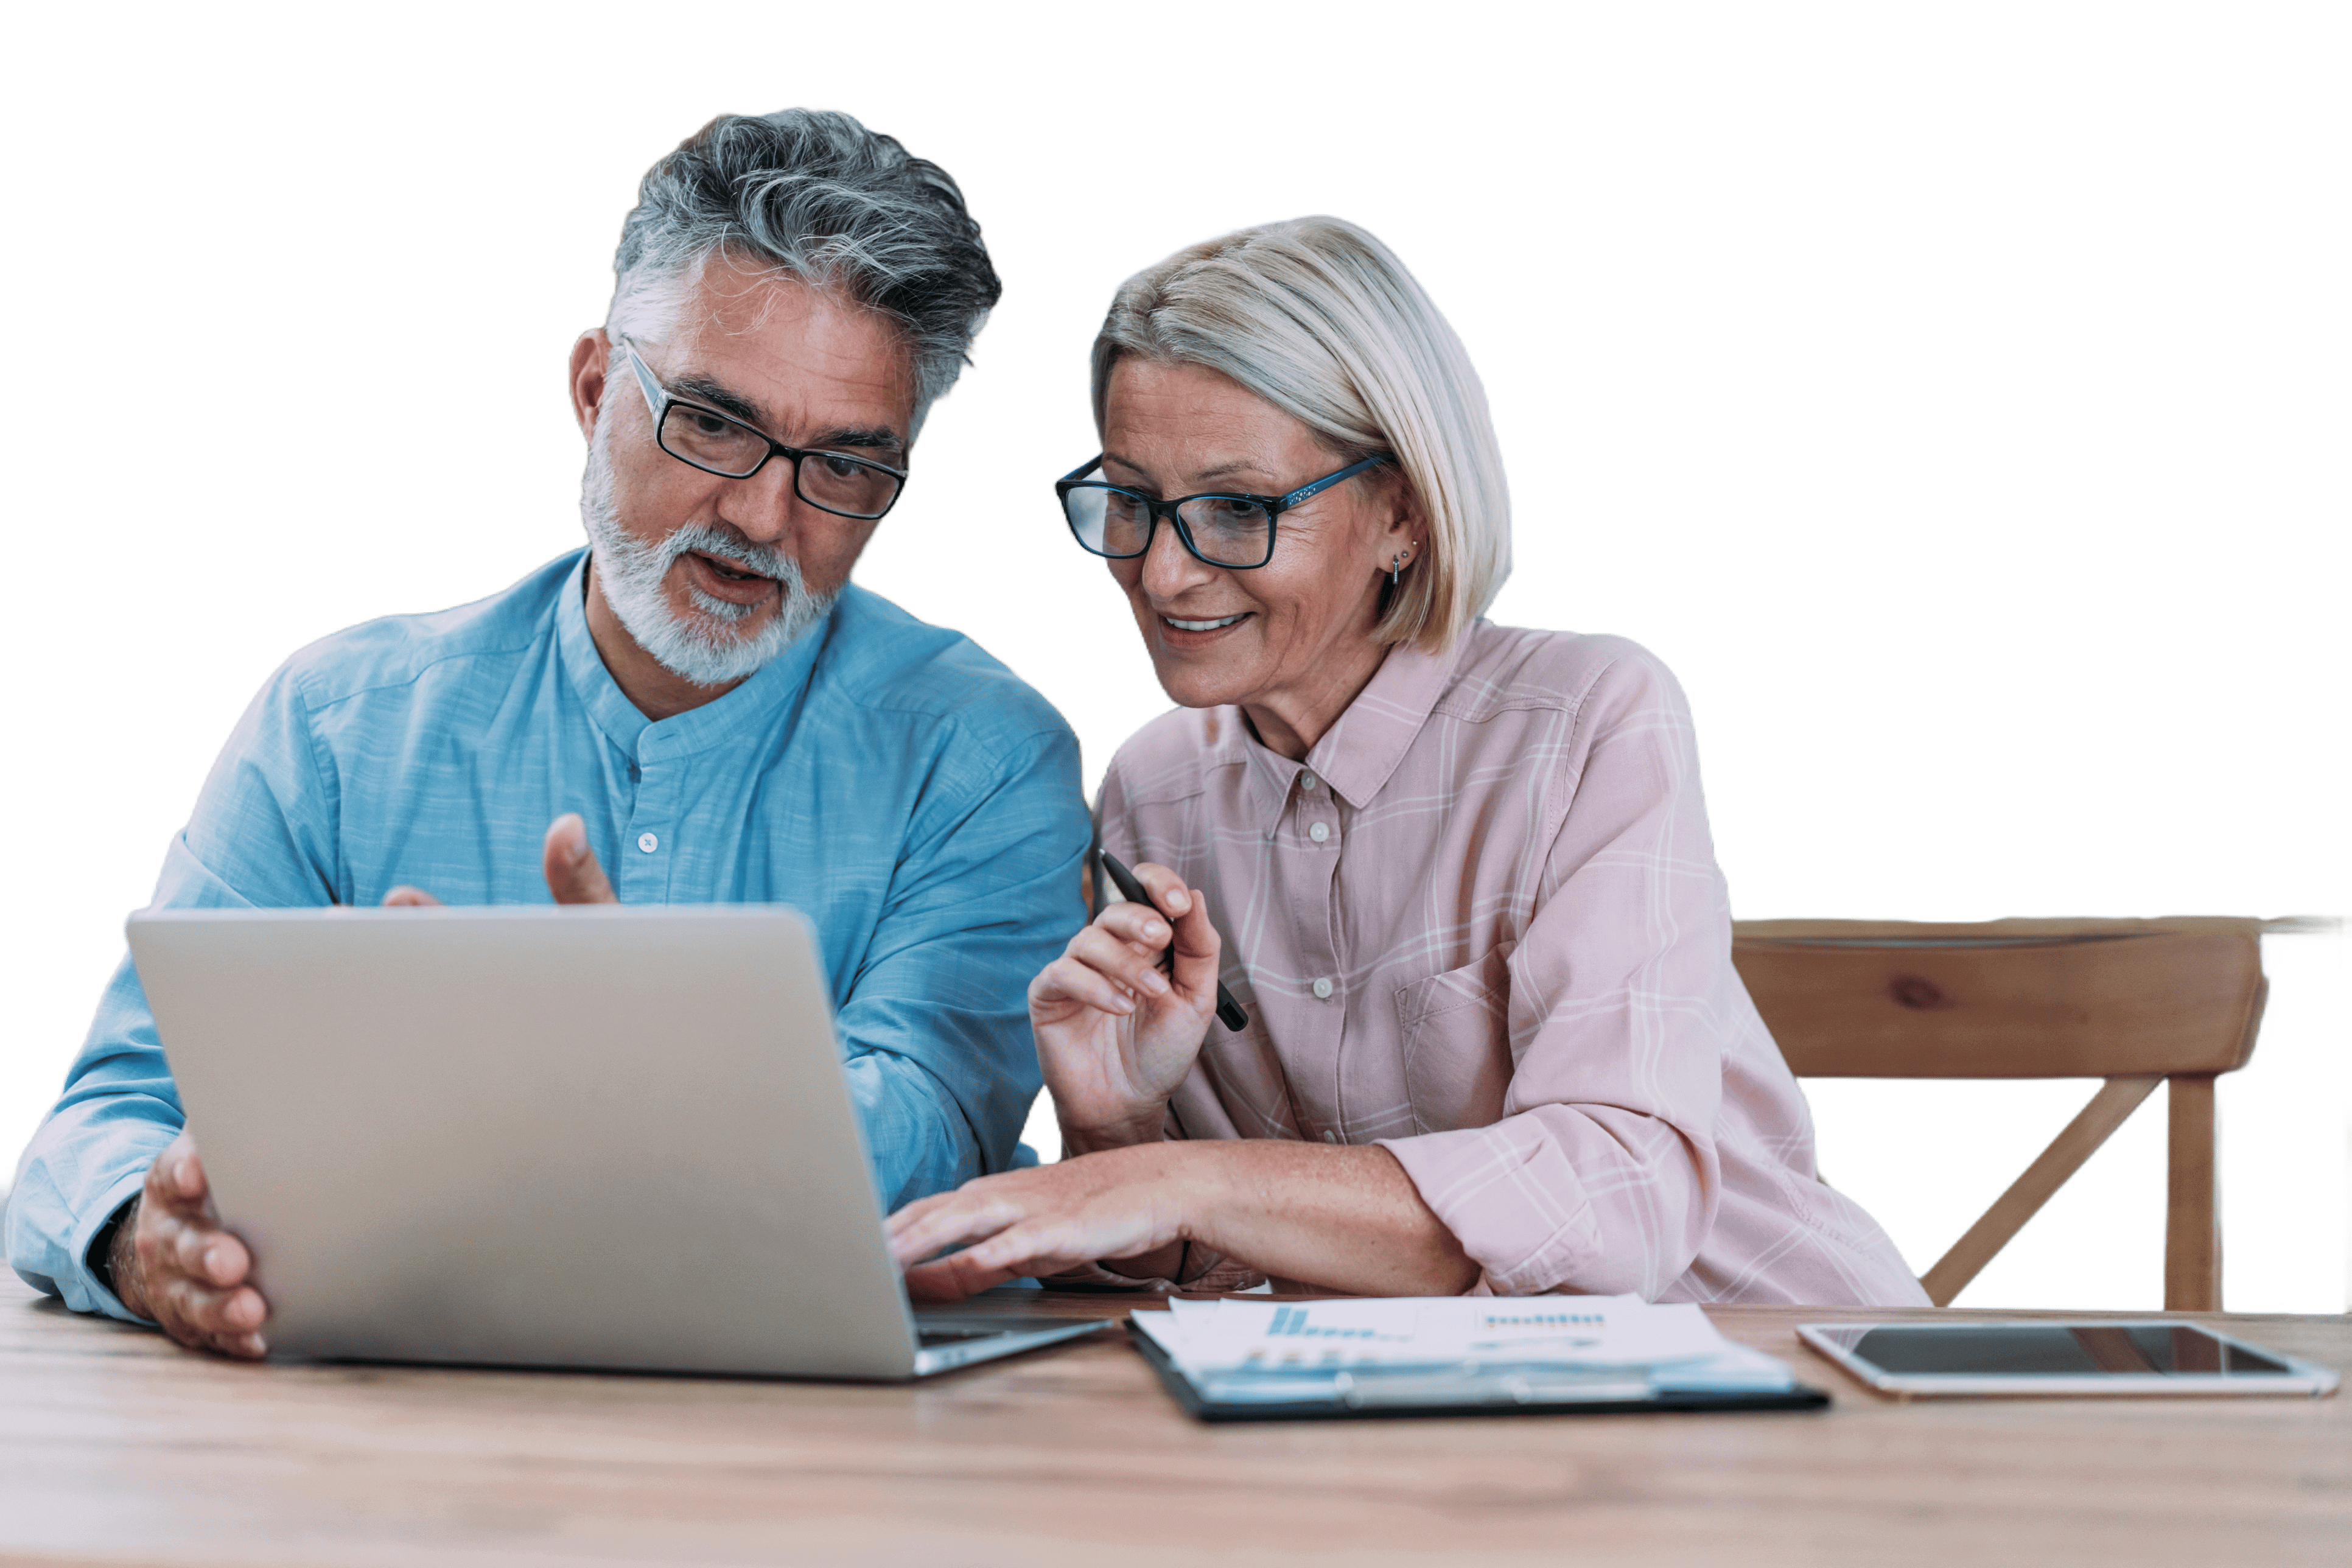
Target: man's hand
574 875
1115 1037
174 1263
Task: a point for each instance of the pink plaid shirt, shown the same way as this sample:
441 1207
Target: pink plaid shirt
1481 925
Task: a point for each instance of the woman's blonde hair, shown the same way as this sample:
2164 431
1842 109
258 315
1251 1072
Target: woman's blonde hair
1322 320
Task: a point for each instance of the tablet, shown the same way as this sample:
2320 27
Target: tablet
1951 1359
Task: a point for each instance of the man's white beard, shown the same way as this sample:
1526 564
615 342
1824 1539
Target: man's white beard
704 646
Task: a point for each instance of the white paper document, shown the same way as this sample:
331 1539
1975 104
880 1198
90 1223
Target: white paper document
1413 1349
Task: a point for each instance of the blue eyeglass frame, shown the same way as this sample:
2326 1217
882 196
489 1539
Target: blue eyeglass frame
1274 507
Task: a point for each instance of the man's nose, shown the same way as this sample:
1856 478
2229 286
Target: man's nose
764 507
1169 569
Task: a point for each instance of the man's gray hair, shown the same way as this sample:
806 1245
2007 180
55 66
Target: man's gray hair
814 195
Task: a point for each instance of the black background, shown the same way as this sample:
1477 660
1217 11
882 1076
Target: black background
1962 469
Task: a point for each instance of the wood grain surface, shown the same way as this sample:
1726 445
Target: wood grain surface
2006 998
117 1448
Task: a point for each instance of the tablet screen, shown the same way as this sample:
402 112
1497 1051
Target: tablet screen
2056 1349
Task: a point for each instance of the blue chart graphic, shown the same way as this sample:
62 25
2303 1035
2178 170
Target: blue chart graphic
1292 1321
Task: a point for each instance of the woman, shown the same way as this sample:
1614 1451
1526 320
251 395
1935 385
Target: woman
1460 874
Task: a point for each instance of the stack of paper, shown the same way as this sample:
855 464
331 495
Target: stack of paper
1422 1349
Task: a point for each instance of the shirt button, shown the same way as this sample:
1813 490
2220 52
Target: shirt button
1319 832
648 843
1322 991
1307 781
1330 1136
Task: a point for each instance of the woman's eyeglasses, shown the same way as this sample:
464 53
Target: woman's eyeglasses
1235 532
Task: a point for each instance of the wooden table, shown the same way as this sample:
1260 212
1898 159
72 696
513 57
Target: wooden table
117 1448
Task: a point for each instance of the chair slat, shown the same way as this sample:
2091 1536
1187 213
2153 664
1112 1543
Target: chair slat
2077 1142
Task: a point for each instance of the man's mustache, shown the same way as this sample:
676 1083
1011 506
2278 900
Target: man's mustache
726 545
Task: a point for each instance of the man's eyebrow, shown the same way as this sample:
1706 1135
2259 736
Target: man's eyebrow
874 439
706 391
701 389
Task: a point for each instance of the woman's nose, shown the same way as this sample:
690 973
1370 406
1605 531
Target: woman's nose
1168 567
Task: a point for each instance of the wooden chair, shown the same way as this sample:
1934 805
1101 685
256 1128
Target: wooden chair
2134 1002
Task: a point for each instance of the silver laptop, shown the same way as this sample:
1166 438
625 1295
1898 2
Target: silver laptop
605 1136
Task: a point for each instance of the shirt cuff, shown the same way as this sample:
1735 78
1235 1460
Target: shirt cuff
86 1232
1510 1198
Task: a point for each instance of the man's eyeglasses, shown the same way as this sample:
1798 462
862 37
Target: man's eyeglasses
707 440
1230 531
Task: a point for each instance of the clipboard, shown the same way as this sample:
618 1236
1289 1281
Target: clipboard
1453 1395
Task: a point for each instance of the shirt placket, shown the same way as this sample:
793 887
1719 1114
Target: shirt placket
1313 833
648 839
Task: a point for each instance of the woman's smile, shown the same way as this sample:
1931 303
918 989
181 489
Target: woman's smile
1194 630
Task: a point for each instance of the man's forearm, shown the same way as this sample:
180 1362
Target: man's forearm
917 1136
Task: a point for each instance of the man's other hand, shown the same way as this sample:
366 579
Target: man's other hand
574 875
176 1265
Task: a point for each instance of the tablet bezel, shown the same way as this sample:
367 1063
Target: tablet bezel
2302 1377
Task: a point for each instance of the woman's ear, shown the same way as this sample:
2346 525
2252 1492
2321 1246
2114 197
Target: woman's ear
1403 527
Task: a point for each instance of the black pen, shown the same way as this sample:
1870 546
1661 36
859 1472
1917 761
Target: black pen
1229 1012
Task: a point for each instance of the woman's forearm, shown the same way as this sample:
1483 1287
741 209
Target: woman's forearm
1078 1139
1345 1218
1162 1263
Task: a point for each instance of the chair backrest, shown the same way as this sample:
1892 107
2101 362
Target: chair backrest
2134 1002
2006 998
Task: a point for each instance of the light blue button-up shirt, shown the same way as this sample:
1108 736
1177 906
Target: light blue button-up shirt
906 791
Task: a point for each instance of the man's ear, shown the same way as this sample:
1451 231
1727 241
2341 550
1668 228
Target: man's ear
592 356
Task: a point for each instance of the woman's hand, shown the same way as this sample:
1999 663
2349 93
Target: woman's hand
1114 1035
1122 1202
1346 1217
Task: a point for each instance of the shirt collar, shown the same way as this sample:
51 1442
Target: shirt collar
1357 754
1359 751
759 707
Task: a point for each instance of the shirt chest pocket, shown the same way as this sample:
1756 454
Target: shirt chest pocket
1457 1045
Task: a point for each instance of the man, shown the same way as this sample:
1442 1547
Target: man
701 703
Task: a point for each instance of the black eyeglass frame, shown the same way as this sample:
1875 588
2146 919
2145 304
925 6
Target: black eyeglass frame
660 400
1274 507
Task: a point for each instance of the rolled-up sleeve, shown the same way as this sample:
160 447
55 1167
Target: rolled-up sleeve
942 1064
1601 1175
